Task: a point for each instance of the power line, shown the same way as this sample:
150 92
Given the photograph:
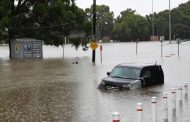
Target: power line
47 27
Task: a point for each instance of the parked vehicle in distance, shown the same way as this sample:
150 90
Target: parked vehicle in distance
131 76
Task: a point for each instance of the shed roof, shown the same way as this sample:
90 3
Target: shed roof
27 40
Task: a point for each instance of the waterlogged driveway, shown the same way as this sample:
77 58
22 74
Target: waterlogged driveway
59 90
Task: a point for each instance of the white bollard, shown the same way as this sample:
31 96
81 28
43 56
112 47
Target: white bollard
180 93
186 90
139 112
173 100
165 107
116 117
154 109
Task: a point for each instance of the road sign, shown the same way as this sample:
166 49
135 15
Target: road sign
93 45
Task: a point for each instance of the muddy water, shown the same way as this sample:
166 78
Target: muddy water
65 90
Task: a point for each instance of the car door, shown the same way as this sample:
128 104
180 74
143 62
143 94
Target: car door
157 75
146 74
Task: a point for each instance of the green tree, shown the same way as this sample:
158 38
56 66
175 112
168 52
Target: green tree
104 22
48 20
130 26
161 23
180 21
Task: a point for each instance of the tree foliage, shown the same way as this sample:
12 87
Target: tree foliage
180 22
48 20
52 20
105 17
130 26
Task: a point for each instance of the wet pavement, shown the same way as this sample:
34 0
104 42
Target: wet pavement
58 89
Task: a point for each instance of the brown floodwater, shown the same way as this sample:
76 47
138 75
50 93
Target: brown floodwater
57 89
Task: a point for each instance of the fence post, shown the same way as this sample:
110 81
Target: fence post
162 48
154 109
180 93
165 107
137 41
101 53
139 112
173 100
186 90
116 117
178 42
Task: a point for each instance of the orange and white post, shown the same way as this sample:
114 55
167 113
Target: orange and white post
139 112
154 109
116 117
173 100
165 107
180 93
186 90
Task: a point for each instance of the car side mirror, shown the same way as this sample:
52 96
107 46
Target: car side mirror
108 73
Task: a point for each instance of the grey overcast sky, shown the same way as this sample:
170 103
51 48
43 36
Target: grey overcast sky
142 7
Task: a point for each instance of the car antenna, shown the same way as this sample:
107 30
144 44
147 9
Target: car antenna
155 62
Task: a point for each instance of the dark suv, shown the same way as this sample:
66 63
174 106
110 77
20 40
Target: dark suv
133 75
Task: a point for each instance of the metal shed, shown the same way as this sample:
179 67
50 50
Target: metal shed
26 48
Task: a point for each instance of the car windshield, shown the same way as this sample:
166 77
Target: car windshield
126 72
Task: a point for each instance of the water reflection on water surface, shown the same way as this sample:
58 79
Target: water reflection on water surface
56 89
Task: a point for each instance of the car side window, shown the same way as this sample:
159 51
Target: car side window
157 74
147 73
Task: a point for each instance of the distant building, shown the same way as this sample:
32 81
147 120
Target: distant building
154 38
106 39
82 35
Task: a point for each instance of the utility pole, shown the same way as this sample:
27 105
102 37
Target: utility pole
153 18
170 35
9 30
94 30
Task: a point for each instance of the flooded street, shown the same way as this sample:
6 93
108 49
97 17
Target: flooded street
58 89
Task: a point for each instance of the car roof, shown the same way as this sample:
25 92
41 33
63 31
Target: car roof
137 65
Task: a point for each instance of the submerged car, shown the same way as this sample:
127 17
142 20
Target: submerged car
133 75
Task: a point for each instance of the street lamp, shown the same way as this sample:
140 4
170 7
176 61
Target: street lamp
169 23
